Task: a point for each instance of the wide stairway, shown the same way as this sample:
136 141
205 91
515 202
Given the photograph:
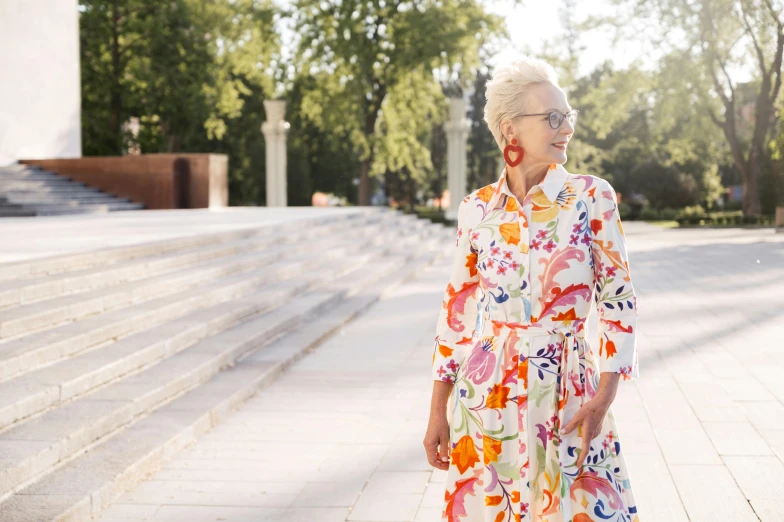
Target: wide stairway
30 191
113 360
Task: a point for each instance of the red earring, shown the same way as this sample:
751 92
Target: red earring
513 147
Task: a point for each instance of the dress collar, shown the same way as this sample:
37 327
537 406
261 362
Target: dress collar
551 185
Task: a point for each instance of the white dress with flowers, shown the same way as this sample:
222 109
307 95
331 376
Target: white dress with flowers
511 337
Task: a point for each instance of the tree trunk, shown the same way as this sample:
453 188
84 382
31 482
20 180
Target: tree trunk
115 89
751 197
364 182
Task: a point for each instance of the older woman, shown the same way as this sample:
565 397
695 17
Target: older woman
520 413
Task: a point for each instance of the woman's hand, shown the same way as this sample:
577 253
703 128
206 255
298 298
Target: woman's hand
436 442
590 416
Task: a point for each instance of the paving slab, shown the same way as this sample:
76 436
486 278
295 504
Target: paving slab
339 433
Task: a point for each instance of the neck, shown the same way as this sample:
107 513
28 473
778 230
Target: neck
522 177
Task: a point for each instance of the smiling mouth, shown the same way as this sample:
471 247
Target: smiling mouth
562 146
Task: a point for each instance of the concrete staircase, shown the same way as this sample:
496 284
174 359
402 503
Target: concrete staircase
112 360
30 191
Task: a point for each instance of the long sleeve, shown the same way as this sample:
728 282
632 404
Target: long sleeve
616 302
458 315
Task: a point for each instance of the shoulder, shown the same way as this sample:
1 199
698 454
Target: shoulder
588 183
473 204
598 190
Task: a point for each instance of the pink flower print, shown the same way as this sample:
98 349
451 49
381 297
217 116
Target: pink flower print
515 265
576 228
501 270
535 244
452 365
524 507
610 271
541 234
605 444
480 363
550 246
474 236
600 266
586 239
494 250
490 263
508 255
573 239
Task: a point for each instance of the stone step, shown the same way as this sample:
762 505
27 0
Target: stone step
34 175
28 394
53 184
35 197
29 318
32 350
85 483
67 376
16 212
152 367
80 260
16 292
43 193
53 209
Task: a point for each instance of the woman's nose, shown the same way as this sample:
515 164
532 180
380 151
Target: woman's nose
566 129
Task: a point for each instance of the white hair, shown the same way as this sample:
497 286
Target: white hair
507 91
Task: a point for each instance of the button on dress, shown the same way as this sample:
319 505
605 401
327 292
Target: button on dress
511 338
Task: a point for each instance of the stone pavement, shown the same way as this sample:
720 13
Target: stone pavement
338 437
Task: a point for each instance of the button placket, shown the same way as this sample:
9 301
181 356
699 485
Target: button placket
525 251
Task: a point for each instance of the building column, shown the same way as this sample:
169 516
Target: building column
456 134
275 130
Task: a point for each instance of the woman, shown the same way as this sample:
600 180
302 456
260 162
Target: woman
530 435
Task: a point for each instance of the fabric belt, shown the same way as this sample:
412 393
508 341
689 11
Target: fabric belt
569 334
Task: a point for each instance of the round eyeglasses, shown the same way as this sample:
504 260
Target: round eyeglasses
556 118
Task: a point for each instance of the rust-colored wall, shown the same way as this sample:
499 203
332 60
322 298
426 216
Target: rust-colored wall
160 181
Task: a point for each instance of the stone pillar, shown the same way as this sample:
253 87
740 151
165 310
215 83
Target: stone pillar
275 130
456 134
131 137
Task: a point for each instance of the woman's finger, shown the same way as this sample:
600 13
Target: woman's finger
586 444
571 424
443 452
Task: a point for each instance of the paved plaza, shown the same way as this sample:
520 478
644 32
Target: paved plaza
338 437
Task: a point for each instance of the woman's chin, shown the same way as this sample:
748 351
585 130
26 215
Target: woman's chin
558 158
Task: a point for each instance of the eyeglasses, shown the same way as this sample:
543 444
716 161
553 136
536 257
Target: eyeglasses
556 118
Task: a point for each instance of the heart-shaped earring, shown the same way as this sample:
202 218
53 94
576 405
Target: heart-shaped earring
513 147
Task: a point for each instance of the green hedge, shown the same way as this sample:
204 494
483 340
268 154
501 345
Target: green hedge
724 219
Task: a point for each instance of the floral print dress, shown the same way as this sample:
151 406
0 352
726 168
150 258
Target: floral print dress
511 338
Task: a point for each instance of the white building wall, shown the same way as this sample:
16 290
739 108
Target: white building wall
40 93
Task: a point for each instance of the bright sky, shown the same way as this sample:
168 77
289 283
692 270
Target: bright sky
538 24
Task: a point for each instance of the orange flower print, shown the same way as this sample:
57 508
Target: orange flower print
510 232
491 448
498 397
464 454
493 500
485 193
543 210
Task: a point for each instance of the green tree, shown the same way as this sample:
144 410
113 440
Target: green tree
360 51
709 34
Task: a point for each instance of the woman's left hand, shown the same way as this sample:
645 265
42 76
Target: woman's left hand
588 419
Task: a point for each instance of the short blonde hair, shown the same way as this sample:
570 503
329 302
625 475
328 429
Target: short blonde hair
507 89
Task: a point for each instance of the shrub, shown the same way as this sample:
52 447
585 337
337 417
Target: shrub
668 213
624 210
649 214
